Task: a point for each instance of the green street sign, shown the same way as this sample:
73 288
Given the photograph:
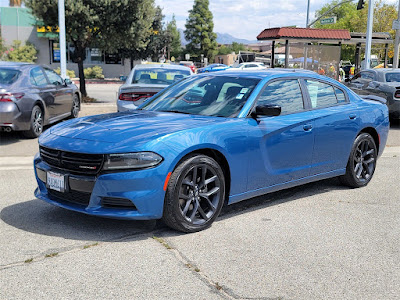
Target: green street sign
330 20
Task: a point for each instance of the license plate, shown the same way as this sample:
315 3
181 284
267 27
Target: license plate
56 181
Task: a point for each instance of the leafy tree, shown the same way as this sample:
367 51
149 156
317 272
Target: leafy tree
348 17
101 23
199 31
157 38
138 35
235 47
22 53
173 38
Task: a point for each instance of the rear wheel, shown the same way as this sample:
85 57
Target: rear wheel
76 106
362 162
195 194
36 123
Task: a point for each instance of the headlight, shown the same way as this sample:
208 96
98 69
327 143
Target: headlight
136 160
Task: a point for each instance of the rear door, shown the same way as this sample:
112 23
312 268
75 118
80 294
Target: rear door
281 147
63 96
336 123
43 87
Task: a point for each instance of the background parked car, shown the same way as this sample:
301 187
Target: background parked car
32 96
189 64
250 66
384 83
146 80
213 68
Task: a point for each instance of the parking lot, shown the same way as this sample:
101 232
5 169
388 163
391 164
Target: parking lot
317 241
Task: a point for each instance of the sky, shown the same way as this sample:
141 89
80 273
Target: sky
246 20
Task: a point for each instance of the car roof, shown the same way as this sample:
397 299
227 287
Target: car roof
383 70
15 65
163 66
264 73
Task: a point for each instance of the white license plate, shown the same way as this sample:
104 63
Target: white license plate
56 181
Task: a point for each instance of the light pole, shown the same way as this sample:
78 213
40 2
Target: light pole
368 39
396 43
61 27
308 13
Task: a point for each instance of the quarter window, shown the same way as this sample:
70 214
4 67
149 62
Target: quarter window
284 93
37 77
321 94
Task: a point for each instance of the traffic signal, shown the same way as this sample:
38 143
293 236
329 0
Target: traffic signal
360 4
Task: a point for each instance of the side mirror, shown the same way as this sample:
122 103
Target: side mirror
67 81
347 80
123 78
266 110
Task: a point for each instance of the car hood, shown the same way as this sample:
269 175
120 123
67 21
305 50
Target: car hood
134 127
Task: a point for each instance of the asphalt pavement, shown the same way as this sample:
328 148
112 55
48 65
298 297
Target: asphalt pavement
317 241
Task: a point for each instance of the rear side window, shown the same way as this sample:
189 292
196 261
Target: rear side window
341 98
37 77
284 93
8 76
321 94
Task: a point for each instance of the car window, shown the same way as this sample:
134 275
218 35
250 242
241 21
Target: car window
37 77
392 77
8 76
341 98
53 77
367 75
321 94
284 93
221 96
158 75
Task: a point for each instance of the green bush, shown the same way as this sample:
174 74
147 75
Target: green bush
21 53
95 72
70 73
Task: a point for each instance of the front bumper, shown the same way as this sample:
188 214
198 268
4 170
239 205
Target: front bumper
133 195
12 117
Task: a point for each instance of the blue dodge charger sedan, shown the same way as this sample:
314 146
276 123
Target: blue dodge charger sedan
209 140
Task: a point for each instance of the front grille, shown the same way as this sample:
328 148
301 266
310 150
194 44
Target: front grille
71 196
81 163
110 202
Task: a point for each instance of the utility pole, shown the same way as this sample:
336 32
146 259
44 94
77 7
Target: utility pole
396 42
63 46
308 13
368 40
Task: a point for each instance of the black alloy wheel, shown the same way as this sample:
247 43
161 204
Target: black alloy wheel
195 194
36 123
362 162
76 106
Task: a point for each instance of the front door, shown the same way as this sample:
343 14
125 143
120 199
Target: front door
281 147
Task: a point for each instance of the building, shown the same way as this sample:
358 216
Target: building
18 24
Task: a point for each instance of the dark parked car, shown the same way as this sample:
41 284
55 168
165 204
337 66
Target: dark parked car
32 96
384 83
209 140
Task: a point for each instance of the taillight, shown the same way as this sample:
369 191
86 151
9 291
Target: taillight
133 96
397 94
10 97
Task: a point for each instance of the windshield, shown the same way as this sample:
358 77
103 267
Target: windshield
158 75
220 96
8 76
392 77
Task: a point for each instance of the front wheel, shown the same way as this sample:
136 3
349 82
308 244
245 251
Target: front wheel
195 194
362 162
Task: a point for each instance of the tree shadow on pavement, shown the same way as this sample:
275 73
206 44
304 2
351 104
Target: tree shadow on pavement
39 217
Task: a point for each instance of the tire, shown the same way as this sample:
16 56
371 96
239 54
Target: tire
76 107
195 194
36 123
362 162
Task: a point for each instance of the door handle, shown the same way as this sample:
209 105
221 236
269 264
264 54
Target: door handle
307 127
352 116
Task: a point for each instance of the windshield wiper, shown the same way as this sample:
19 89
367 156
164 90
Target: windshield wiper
177 111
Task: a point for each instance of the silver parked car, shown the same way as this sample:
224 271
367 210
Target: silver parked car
32 96
381 82
146 80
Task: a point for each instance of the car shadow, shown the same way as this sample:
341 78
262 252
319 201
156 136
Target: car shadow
8 138
39 217
395 124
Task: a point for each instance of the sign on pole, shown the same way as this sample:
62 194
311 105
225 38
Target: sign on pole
330 20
